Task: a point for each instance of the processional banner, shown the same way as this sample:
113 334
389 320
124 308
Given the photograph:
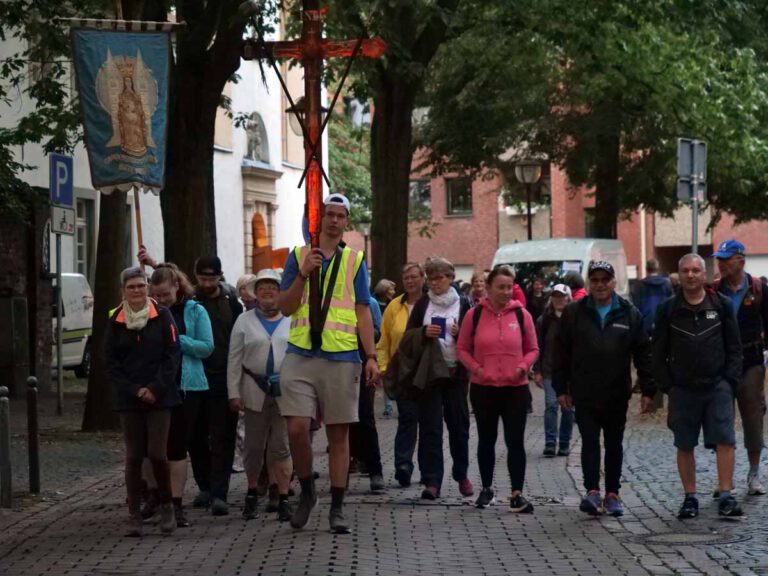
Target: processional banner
123 78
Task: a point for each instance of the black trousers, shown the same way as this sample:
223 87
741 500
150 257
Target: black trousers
211 431
447 401
363 435
610 420
510 403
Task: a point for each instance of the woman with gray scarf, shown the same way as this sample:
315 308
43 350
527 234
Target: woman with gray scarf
142 358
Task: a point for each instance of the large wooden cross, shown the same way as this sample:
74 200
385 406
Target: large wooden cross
311 49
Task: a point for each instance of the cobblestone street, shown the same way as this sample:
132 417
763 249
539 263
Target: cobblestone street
396 533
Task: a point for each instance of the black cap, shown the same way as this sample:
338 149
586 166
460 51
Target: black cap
606 267
208 266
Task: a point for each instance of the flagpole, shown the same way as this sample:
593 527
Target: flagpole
137 209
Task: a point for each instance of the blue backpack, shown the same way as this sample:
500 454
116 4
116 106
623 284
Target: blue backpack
651 297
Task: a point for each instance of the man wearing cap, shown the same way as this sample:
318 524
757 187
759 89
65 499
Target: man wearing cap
749 297
320 376
599 337
211 424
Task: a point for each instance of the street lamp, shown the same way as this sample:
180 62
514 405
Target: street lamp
296 113
528 172
365 229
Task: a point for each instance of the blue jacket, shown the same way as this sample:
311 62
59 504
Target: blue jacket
196 344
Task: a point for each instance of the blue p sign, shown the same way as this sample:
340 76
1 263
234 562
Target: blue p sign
61 180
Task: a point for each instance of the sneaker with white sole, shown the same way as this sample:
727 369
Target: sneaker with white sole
485 499
520 505
754 487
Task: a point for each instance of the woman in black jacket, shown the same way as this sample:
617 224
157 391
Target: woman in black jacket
142 357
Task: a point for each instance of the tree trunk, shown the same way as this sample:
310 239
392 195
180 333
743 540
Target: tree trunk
110 261
391 154
607 187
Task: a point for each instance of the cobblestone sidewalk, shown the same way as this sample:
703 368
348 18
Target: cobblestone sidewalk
396 533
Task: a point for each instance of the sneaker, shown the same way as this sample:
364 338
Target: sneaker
403 476
592 504
250 509
520 505
754 487
151 506
612 505
284 511
466 488
729 508
181 518
689 509
549 450
202 500
564 450
219 507
135 524
307 503
485 499
431 492
338 522
167 518
377 483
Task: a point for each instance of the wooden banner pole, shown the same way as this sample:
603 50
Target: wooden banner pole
137 208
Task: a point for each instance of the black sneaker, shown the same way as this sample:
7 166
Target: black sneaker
151 506
219 507
250 510
181 518
485 499
284 511
689 509
377 483
549 450
307 503
403 476
563 450
202 500
338 522
729 508
520 505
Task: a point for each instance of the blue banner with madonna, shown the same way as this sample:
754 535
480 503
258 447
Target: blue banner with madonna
122 78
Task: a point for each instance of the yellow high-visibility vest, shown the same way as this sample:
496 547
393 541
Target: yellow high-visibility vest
340 329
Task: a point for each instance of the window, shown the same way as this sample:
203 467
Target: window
589 222
83 236
420 199
459 196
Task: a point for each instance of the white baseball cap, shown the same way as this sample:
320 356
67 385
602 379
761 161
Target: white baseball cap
337 199
267 274
562 289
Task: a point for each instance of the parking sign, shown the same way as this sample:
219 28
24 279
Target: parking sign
61 180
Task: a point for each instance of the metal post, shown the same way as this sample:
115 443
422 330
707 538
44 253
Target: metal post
33 443
5 449
59 330
695 221
528 201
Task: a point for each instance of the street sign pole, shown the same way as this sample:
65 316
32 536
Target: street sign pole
692 180
59 331
695 222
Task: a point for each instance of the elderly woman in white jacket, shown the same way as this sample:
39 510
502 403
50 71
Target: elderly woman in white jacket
256 351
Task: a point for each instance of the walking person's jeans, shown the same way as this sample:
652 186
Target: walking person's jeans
363 435
610 420
551 407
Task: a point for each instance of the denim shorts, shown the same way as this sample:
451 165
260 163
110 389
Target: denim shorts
692 410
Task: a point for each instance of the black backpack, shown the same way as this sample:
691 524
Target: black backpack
479 310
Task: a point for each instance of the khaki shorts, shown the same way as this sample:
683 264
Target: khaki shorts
311 385
264 430
750 396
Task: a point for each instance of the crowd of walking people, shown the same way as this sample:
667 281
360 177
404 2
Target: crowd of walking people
188 362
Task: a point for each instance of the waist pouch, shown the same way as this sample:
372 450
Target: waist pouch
270 385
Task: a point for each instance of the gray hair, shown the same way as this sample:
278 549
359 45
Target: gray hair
382 287
439 265
130 274
692 256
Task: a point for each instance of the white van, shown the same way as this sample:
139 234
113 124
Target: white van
552 259
77 320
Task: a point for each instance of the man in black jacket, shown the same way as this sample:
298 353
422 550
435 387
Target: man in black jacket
697 361
599 336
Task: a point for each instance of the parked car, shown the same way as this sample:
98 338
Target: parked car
553 259
77 320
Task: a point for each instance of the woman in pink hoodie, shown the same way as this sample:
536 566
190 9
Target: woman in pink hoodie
497 344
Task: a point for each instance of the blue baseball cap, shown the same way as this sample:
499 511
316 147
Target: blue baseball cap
730 248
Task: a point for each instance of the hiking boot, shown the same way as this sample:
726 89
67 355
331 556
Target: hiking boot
485 499
251 505
689 509
729 508
403 476
274 499
754 487
135 524
181 518
564 450
151 506
466 488
284 511
202 500
377 483
219 507
520 505
592 503
338 522
307 503
430 492
549 450
612 505
167 518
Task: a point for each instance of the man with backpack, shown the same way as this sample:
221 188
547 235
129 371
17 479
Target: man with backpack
654 289
749 297
697 361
